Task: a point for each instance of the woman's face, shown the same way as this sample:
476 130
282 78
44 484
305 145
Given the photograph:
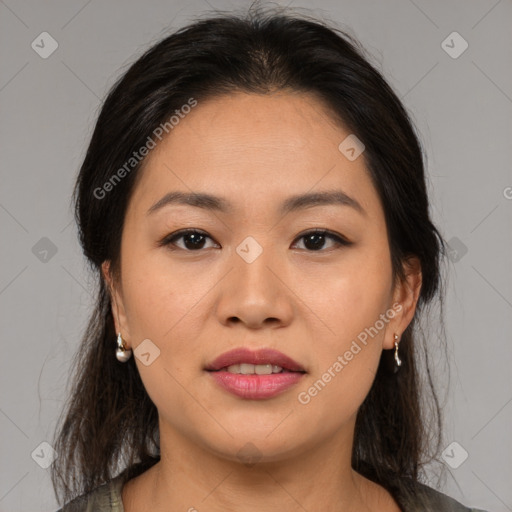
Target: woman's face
253 279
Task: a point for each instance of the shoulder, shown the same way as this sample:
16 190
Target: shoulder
417 497
105 498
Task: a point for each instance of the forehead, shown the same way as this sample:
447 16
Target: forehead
255 149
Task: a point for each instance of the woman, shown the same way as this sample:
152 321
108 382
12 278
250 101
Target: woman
253 202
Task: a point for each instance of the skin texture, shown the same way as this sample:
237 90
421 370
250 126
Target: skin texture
195 304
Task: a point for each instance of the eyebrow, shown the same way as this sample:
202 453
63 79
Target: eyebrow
291 204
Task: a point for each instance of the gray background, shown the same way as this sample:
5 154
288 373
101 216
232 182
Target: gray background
462 107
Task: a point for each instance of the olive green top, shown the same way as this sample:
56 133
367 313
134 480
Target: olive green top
416 497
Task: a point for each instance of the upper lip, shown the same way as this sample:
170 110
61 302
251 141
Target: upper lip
261 356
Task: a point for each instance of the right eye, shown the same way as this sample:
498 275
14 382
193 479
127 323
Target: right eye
193 239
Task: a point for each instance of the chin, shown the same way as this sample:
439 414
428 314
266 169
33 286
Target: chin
256 446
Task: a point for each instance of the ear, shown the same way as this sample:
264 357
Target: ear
404 301
117 304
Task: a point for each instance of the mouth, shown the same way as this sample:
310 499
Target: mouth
255 369
255 375
260 362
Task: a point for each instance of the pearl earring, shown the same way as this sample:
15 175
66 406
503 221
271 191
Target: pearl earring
122 353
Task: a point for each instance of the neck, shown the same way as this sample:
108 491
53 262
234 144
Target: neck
189 477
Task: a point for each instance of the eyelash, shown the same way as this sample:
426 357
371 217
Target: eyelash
338 239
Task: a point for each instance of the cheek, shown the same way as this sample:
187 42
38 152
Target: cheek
159 294
169 307
348 296
349 300
161 305
347 354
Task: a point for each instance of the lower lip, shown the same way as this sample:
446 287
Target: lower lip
256 387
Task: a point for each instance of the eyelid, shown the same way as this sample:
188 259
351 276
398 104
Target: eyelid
324 231
168 239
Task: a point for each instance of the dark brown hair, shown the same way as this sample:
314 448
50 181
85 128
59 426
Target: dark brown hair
110 424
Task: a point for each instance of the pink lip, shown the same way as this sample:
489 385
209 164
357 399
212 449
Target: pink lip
256 387
261 356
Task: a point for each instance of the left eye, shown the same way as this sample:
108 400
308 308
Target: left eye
317 238
194 240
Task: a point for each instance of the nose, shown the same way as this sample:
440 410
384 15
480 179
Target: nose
254 293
